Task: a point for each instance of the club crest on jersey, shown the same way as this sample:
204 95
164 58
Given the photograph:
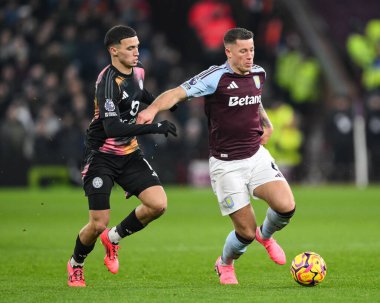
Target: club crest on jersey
97 182
109 105
256 79
228 202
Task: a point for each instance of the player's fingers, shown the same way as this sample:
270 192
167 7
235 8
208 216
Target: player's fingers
173 131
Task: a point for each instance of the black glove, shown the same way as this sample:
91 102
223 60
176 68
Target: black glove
165 127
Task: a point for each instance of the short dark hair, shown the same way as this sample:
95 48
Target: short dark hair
118 33
237 33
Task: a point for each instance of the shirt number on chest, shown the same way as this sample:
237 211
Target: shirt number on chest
135 107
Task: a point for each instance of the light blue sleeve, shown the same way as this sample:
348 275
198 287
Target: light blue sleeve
204 83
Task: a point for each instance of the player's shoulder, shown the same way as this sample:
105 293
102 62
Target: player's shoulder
257 69
213 72
140 65
107 74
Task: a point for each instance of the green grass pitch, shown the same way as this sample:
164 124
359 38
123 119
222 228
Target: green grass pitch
172 259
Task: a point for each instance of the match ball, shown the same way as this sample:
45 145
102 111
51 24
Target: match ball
308 269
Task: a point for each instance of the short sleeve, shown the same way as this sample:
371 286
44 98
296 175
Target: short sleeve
205 83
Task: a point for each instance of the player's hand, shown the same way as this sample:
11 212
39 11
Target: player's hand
166 127
265 136
146 116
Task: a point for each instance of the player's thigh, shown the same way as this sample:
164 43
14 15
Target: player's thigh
228 181
137 176
98 176
277 194
268 183
244 222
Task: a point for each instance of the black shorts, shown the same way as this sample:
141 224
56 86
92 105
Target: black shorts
132 172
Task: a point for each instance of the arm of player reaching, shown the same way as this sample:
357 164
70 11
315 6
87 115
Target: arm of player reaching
266 124
164 101
114 128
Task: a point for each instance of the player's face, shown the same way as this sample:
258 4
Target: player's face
240 56
127 52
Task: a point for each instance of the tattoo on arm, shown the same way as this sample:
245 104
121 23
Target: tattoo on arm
264 119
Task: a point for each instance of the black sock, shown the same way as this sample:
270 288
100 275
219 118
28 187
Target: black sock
129 225
81 251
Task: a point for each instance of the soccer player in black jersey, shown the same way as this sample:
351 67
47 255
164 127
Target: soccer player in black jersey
240 166
113 154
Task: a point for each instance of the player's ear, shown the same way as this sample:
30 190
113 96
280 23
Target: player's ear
228 52
112 50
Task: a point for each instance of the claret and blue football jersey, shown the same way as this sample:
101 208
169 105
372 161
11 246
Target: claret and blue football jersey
232 108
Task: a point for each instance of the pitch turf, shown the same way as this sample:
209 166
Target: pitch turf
172 260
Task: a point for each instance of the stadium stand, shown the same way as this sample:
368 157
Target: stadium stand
50 52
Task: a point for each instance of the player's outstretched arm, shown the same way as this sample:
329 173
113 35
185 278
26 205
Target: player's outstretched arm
114 128
266 124
163 102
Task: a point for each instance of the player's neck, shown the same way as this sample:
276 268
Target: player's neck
238 71
122 68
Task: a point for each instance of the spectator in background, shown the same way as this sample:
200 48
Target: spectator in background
339 138
297 73
40 60
210 19
364 51
286 142
14 144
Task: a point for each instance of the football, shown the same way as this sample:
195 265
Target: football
308 269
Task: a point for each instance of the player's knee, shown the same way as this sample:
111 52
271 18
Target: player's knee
290 205
285 205
246 235
159 208
99 227
287 215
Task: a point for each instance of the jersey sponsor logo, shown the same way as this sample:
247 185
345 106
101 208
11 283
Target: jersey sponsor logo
256 79
232 85
109 105
130 121
125 95
97 182
247 100
110 114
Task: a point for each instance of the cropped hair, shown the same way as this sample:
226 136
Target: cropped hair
118 33
237 33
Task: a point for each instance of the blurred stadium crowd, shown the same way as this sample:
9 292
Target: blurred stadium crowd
52 51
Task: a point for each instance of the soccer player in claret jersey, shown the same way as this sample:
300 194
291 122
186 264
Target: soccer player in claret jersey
240 166
113 154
